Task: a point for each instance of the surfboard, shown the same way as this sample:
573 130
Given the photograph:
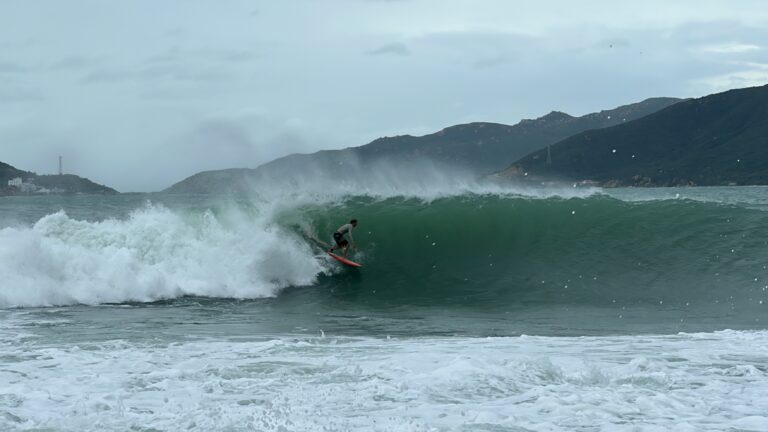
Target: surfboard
343 260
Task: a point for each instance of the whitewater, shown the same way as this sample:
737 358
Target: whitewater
481 307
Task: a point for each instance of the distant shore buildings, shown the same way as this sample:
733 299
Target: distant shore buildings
27 187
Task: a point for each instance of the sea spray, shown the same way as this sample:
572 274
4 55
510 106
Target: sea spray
153 254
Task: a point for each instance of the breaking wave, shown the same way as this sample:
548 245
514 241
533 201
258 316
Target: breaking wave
483 249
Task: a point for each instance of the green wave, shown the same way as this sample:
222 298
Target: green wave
495 252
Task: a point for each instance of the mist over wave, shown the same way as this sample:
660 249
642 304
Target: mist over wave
348 175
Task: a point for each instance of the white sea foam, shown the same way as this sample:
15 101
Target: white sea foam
153 254
686 382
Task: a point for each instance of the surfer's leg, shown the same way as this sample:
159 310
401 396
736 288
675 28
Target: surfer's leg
344 246
336 238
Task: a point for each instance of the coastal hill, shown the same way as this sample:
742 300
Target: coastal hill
32 183
477 148
720 139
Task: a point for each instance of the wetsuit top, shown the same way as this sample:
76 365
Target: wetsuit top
346 229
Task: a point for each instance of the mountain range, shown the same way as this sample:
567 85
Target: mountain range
720 139
476 148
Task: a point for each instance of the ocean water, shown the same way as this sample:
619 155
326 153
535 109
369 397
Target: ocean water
479 308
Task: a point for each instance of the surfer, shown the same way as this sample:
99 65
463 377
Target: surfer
338 237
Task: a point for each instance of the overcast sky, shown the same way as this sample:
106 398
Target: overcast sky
141 94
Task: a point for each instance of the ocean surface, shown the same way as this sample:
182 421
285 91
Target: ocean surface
480 308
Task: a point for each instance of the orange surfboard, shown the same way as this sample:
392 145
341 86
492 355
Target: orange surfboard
343 260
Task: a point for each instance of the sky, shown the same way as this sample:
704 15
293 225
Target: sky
140 94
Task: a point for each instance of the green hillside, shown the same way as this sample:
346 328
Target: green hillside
719 139
57 184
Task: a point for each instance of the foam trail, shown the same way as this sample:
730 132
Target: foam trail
688 382
152 255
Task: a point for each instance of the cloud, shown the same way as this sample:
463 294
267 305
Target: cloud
729 48
235 56
12 68
480 50
70 62
9 95
182 73
753 74
106 76
176 54
172 54
174 72
181 91
244 139
391 49
490 62
611 43
225 136
175 33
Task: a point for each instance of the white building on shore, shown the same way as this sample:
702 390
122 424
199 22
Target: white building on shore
16 182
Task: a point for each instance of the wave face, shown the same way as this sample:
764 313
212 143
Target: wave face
490 251
495 251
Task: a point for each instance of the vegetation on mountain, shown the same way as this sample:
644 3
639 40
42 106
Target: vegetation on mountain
720 139
42 184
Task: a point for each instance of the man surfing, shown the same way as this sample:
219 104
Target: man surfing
341 242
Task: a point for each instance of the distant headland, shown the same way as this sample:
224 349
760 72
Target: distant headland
14 181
